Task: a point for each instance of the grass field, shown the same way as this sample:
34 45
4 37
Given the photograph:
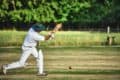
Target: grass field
62 38
88 63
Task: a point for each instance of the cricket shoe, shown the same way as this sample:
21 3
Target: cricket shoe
4 70
42 74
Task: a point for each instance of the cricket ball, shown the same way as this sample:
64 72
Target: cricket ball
70 67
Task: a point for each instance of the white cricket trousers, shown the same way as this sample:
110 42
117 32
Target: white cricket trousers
26 52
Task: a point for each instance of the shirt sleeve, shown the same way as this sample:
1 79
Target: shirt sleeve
38 37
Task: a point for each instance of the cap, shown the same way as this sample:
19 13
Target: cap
38 27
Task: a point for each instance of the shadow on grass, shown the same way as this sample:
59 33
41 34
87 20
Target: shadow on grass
10 50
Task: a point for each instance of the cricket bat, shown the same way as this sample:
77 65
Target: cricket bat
57 27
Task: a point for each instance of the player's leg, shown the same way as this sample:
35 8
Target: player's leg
40 61
18 64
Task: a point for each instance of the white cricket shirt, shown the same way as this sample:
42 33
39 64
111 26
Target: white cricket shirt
32 38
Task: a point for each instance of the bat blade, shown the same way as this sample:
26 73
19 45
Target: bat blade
57 27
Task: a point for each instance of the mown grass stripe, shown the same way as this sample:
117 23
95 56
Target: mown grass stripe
87 72
34 71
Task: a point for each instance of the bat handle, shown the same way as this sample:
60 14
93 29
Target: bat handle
52 32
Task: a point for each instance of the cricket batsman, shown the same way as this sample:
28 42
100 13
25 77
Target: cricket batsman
29 47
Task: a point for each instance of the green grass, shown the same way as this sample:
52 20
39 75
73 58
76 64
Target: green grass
88 63
63 38
11 38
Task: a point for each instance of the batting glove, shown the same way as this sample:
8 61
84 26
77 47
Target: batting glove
52 37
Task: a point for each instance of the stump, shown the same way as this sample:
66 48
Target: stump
110 40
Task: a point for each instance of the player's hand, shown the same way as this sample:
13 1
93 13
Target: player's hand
52 36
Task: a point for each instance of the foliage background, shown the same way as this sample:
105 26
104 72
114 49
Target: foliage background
22 13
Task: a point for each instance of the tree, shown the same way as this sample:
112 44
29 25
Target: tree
80 11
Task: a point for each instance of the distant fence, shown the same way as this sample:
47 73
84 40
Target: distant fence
66 27
100 29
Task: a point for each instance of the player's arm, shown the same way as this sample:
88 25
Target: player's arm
47 37
38 37
57 27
